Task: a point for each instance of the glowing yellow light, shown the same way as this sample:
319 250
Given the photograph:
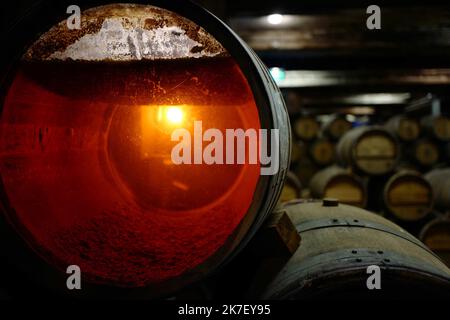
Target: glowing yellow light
174 115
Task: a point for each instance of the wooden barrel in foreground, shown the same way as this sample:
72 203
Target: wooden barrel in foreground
406 129
436 235
339 243
440 182
438 127
408 196
369 150
339 183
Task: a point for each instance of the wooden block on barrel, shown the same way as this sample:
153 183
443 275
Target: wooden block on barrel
278 238
274 244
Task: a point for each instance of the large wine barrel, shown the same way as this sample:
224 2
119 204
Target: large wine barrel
339 242
437 127
339 183
440 182
336 127
368 150
87 156
408 196
436 235
425 152
405 128
322 151
306 128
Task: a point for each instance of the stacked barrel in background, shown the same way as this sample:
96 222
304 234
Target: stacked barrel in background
397 168
314 144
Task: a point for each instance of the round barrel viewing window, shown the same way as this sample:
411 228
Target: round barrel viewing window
87 142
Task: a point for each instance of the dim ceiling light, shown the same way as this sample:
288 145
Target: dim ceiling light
174 115
275 18
378 98
278 73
